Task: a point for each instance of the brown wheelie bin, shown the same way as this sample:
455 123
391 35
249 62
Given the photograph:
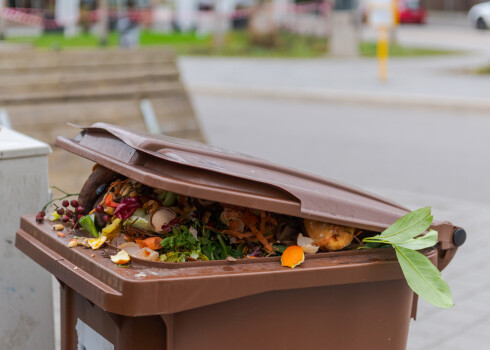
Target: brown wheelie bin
356 299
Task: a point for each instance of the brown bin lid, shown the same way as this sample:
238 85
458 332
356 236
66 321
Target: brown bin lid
203 171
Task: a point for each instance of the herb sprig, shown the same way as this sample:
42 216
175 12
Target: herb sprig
405 236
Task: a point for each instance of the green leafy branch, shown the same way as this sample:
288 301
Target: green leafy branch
405 236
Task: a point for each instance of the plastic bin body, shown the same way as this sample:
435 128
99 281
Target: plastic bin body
335 317
338 300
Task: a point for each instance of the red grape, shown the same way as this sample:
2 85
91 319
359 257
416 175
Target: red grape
80 209
60 211
74 203
65 218
40 217
106 218
65 203
99 209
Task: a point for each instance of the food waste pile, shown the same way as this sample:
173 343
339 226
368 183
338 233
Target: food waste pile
158 225
145 223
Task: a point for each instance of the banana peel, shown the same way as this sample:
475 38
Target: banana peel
112 230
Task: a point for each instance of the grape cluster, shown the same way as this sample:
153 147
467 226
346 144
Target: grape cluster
73 214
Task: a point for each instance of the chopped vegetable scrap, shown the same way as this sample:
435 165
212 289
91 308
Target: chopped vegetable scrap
158 225
122 257
307 244
96 243
58 227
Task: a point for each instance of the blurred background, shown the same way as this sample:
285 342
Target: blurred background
301 83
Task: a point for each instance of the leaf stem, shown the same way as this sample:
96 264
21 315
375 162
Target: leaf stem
376 240
60 198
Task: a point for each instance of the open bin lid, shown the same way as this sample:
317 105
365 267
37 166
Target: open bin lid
206 172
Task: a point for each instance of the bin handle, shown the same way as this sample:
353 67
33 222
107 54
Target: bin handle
450 238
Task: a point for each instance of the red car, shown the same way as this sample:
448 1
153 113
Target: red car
411 11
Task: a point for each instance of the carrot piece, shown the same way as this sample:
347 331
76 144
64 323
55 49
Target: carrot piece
140 242
114 184
153 243
109 201
236 234
250 219
262 221
262 239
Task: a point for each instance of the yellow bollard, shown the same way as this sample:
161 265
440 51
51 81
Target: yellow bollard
382 51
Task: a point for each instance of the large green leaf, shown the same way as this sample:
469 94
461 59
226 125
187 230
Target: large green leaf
425 241
424 278
408 227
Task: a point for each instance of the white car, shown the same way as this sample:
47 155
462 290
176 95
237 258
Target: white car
479 15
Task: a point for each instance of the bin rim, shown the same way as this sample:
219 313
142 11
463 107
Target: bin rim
111 287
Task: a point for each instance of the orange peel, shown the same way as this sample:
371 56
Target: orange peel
96 243
122 257
292 256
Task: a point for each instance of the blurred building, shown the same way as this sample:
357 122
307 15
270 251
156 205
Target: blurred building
451 5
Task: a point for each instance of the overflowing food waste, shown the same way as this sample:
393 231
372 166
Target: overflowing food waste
158 225
141 222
